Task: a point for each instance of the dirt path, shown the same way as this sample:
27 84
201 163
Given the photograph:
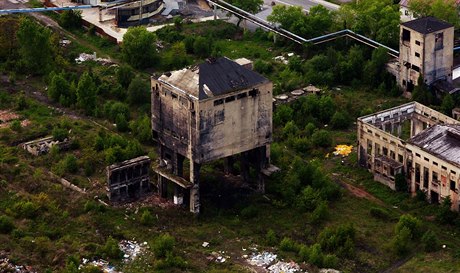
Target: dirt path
356 191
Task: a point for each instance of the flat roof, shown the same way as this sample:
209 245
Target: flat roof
442 141
427 25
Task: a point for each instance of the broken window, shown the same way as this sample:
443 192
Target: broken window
229 99
392 154
400 158
406 35
452 185
416 68
369 147
253 92
417 173
219 116
218 102
438 41
434 177
242 95
417 42
425 177
417 54
385 151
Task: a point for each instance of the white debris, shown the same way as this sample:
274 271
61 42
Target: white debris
92 57
281 59
131 249
205 244
290 54
262 259
7 266
284 267
101 264
328 270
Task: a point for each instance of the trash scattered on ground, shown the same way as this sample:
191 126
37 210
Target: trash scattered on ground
218 257
281 59
101 264
284 267
205 244
131 249
343 150
7 266
92 57
328 270
262 259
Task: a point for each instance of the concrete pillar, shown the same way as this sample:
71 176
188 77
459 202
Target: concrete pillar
228 164
262 163
215 12
195 190
244 162
162 187
178 195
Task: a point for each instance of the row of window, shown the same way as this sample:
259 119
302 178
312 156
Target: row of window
434 178
252 93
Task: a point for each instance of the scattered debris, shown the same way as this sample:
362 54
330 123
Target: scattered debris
328 270
284 267
43 145
101 264
8 116
64 42
343 150
281 59
131 249
262 259
205 244
7 266
92 57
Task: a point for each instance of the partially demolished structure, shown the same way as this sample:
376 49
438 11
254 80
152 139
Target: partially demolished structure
416 142
128 179
216 110
44 145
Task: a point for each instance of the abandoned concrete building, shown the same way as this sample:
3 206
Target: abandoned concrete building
128 180
215 110
426 49
416 141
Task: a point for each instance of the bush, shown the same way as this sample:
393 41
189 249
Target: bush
304 253
445 215
6 224
122 123
26 209
411 223
339 240
124 75
138 92
309 199
270 238
60 134
320 213
380 213
287 244
249 212
430 241
400 243
340 120
330 261
111 249
202 47
163 245
70 19
147 219
16 126
70 164
171 261
322 138
316 255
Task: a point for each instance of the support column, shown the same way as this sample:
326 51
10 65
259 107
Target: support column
195 190
228 164
244 162
162 186
178 195
262 162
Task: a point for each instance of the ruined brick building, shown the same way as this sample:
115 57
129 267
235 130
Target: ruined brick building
416 141
216 110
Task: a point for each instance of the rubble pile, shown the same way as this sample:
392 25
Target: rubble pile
101 264
131 249
92 57
7 266
262 259
284 267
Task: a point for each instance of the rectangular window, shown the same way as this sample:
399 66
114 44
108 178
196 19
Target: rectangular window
426 174
426 159
438 41
452 185
417 155
218 102
444 168
434 177
253 92
385 151
400 158
242 95
417 42
229 99
406 35
417 54
435 163
416 68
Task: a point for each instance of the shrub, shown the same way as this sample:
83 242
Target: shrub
70 164
304 253
287 244
400 243
138 91
380 213
147 219
340 120
202 47
111 249
340 239
411 223
171 261
16 126
321 138
249 212
270 238
60 134
320 213
26 209
430 241
309 199
445 215
124 75
316 255
122 123
163 245
70 19
6 224
330 261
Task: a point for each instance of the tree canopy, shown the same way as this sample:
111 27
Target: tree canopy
138 47
442 9
251 6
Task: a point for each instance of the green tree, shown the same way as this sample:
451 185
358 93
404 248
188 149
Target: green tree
321 138
401 241
111 249
411 223
251 6
447 104
375 68
202 47
58 86
445 215
340 120
138 47
442 9
70 19
122 123
141 129
9 45
176 57
124 75
36 49
138 91
163 245
86 94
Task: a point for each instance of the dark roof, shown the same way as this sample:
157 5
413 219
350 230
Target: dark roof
427 25
223 76
442 141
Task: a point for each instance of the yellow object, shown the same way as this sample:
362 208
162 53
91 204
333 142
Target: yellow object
343 150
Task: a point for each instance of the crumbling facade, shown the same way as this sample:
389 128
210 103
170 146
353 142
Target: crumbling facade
128 180
425 49
216 110
416 141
